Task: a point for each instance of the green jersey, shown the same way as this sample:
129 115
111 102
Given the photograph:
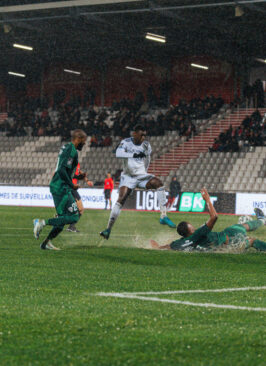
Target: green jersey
65 169
202 237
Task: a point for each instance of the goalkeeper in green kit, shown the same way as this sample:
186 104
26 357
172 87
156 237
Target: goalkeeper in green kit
61 186
204 239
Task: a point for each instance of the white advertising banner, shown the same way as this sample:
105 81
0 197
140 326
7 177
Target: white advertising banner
246 202
41 197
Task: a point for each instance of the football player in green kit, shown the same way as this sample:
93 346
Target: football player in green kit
61 186
203 238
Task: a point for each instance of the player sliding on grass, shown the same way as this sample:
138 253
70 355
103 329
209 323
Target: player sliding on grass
204 238
61 187
135 152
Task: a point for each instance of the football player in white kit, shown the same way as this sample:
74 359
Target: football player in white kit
135 152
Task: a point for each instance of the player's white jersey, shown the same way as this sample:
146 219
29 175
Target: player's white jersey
134 166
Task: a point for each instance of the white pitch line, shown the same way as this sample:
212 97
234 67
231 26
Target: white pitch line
196 291
189 303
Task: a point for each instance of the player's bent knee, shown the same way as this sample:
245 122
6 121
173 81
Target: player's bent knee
155 183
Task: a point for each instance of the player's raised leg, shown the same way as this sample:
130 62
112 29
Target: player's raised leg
124 192
260 215
252 225
155 183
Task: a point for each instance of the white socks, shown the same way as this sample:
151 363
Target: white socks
114 215
161 196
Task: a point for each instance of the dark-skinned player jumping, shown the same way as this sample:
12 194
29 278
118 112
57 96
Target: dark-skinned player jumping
135 152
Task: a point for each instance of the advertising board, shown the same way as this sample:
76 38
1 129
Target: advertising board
41 197
138 200
185 202
246 202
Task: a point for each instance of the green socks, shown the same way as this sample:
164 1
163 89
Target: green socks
259 245
254 224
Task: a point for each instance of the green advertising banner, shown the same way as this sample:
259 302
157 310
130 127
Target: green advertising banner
193 202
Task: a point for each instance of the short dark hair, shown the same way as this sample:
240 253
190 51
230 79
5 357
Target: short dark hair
182 228
139 127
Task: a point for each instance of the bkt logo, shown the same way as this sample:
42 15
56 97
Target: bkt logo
193 202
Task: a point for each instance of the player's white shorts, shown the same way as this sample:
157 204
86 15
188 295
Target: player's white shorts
139 181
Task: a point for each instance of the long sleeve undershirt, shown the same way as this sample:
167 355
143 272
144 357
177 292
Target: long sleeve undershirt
121 153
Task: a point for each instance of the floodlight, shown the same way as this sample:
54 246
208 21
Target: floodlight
72 72
133 69
200 66
155 37
28 48
16 74
261 60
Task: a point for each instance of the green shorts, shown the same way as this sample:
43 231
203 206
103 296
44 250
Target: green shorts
236 233
65 204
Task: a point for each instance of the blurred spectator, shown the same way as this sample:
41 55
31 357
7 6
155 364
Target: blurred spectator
251 133
258 94
39 119
107 141
247 94
151 97
94 141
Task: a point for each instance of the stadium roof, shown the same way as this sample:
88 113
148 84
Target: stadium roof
95 31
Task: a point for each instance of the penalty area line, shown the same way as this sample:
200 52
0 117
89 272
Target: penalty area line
254 288
169 301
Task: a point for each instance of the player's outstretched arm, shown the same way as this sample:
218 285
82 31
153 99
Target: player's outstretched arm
155 245
213 214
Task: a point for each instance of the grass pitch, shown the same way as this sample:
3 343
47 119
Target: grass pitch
50 314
